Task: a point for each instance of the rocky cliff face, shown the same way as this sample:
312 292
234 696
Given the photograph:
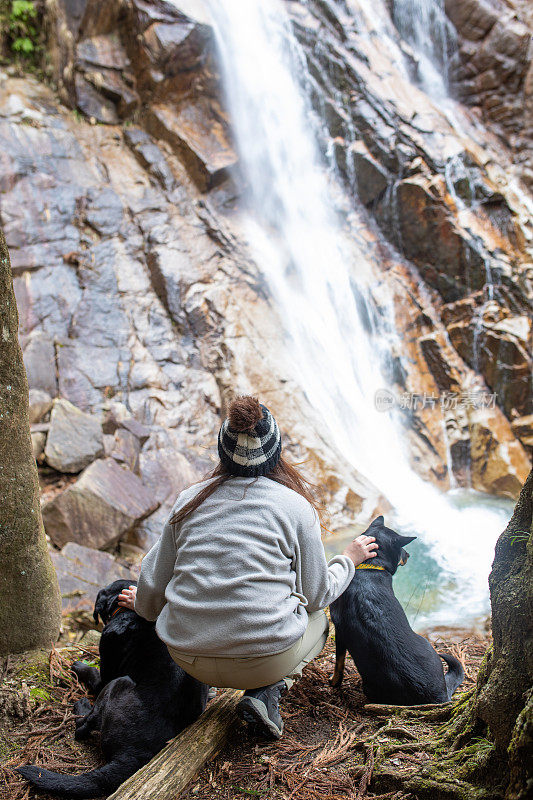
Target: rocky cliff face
119 198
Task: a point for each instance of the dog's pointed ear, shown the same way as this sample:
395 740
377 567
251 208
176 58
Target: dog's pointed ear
99 607
379 522
405 540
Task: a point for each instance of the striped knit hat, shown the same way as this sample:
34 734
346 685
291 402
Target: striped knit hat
249 441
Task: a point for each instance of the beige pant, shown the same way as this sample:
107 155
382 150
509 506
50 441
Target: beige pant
251 672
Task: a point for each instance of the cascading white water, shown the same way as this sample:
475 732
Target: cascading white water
424 24
311 268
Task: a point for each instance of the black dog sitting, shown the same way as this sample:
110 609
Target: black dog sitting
143 699
396 665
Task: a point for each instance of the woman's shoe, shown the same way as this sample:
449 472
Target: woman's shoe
260 707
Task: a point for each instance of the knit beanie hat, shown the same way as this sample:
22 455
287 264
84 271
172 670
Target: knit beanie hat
249 441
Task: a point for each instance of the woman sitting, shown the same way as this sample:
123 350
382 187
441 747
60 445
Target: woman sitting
238 579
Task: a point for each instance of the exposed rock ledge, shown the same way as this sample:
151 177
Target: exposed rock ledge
134 284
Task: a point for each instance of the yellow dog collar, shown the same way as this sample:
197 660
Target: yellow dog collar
369 566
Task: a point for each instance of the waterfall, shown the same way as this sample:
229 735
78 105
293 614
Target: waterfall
319 279
424 24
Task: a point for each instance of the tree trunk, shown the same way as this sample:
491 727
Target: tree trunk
30 604
504 693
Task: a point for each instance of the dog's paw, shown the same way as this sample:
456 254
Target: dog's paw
82 707
82 732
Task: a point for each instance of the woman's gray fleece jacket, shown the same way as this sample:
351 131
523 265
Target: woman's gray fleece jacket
238 575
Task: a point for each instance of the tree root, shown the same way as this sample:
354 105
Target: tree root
450 761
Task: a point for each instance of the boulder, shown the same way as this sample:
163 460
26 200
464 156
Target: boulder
82 572
118 416
147 532
126 449
75 438
196 132
166 472
40 405
38 441
100 508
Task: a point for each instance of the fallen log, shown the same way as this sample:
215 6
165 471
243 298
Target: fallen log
174 767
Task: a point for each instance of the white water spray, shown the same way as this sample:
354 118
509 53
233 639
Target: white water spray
319 280
424 24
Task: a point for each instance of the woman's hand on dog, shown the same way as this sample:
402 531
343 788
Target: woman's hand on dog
361 549
127 597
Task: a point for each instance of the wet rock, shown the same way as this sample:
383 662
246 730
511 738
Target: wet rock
500 353
473 18
372 179
149 300
169 270
498 462
102 506
431 239
40 405
176 46
82 572
198 135
491 68
75 438
523 430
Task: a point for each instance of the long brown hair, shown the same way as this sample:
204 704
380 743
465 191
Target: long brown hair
283 473
244 413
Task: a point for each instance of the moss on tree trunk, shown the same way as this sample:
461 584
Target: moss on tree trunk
504 699
499 711
30 605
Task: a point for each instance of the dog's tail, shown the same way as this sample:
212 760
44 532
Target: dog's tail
97 783
455 674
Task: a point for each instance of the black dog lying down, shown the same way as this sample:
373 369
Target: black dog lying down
397 665
143 700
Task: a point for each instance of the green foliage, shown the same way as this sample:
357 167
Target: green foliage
19 25
520 536
37 693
